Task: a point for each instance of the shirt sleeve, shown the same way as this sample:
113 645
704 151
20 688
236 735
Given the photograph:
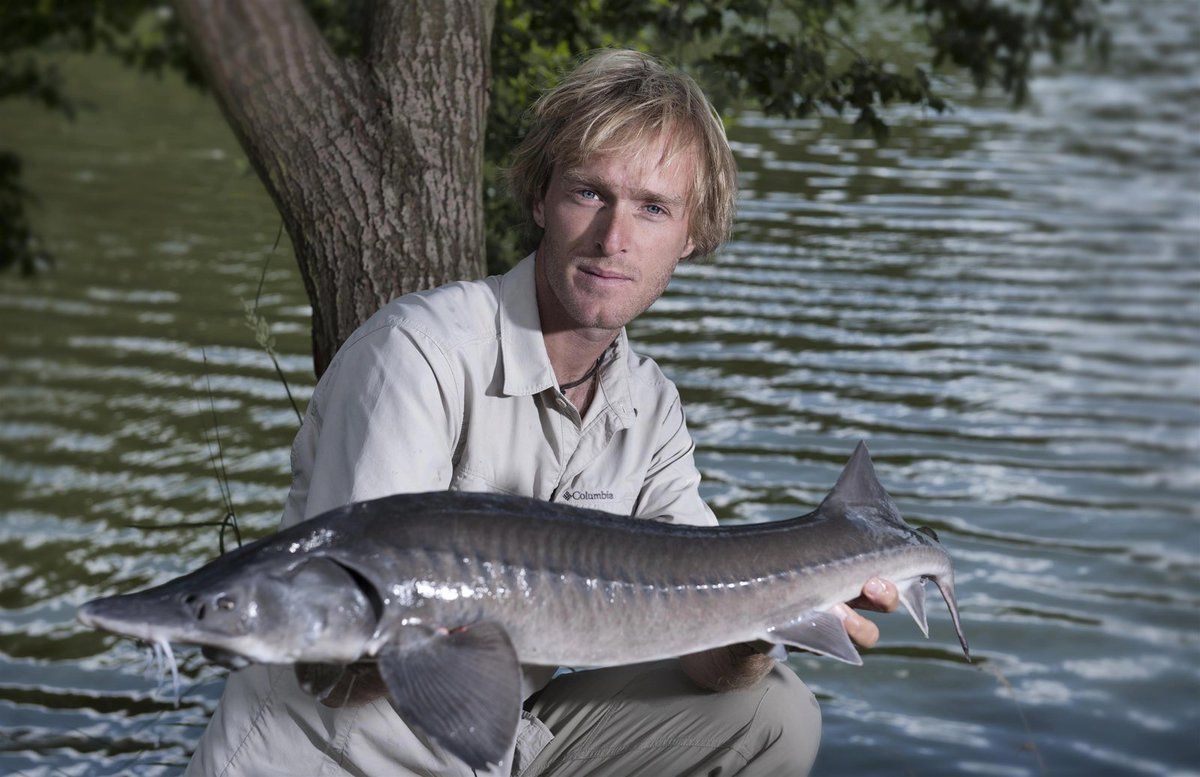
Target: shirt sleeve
671 491
383 420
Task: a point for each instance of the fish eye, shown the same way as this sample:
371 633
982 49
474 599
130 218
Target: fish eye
928 532
225 602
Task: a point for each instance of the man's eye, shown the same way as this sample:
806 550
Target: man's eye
587 194
656 210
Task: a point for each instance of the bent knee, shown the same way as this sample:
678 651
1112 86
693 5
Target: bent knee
786 730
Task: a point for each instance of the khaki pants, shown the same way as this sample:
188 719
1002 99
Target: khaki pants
650 719
644 720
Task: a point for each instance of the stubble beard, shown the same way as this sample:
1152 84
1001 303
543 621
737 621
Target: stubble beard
610 315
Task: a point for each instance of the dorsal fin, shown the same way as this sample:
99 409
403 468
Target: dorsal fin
857 486
857 483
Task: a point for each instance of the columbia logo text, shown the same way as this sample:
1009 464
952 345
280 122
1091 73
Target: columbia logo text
584 496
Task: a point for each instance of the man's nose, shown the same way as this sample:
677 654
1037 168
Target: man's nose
612 230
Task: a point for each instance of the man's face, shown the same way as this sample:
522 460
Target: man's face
615 227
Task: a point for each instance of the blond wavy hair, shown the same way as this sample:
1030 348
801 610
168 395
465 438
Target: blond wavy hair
618 100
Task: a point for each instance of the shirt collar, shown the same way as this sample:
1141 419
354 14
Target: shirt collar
614 380
526 364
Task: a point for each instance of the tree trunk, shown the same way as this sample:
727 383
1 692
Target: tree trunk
375 165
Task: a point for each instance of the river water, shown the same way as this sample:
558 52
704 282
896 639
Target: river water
1005 305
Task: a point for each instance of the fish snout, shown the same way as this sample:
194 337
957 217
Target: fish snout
122 614
152 615
107 613
86 614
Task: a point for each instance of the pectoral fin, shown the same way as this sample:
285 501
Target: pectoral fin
461 687
820 632
912 596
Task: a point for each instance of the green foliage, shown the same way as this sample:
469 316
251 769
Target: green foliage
143 34
785 57
18 245
33 35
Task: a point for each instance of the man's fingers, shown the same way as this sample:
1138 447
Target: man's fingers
862 631
878 595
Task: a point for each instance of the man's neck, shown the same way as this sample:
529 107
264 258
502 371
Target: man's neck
572 349
573 352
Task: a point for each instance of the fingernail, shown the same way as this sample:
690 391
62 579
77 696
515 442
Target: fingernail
842 611
875 587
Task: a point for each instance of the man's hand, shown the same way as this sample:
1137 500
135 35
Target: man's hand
878 595
735 667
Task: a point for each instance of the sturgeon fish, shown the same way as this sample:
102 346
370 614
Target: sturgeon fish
450 592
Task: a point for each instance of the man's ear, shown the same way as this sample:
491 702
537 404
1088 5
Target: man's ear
539 213
687 249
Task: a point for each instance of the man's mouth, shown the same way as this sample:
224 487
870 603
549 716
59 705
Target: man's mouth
604 274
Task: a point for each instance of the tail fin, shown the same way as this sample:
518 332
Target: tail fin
946 586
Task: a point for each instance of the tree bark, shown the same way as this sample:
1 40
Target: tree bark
375 165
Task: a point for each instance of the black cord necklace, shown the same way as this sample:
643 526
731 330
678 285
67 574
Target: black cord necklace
586 376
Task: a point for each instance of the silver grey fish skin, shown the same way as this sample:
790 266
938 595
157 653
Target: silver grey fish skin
567 586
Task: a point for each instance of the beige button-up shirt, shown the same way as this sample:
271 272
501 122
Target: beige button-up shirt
450 388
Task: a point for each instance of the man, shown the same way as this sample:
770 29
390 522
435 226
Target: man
526 384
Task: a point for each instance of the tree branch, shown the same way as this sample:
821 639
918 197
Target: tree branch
375 164
277 81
